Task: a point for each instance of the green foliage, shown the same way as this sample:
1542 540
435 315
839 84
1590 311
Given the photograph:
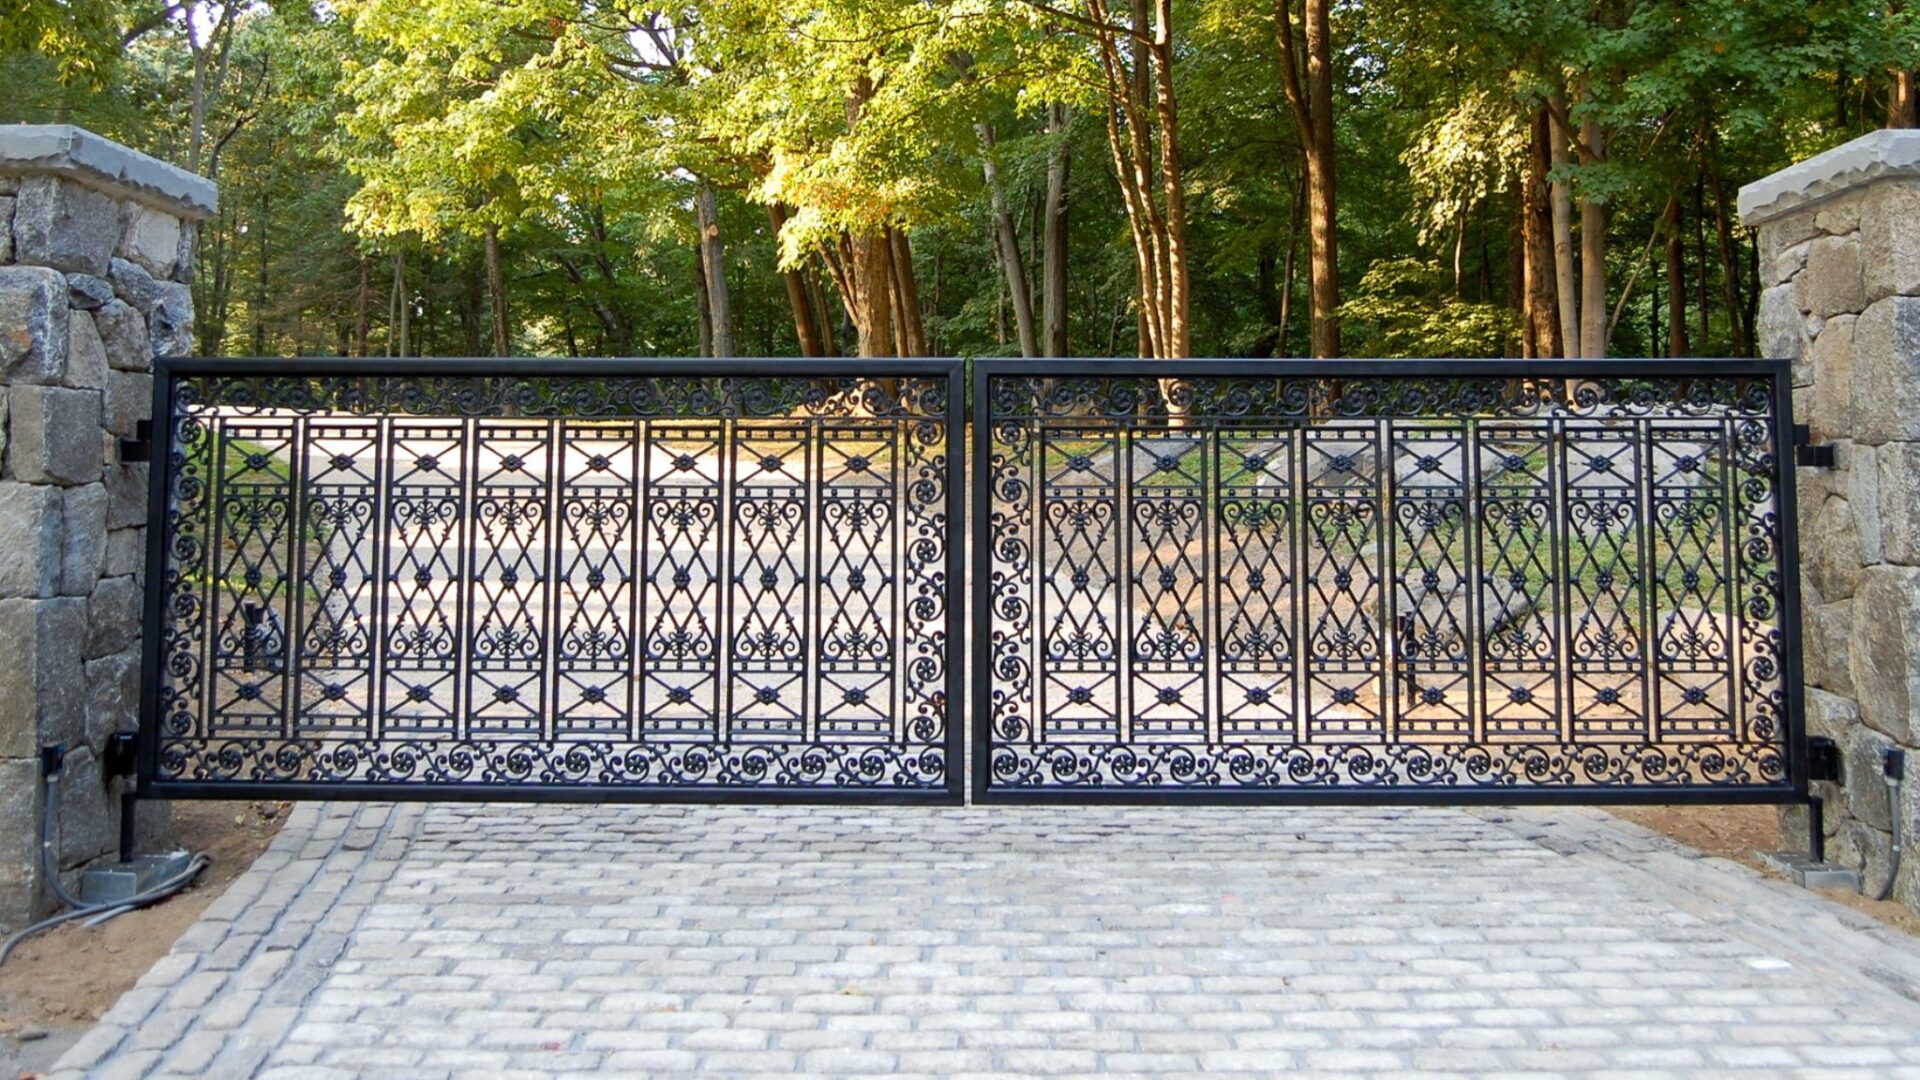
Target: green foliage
79 40
1401 307
365 148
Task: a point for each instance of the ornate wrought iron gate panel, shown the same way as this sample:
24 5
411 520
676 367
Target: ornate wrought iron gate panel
607 580
1405 581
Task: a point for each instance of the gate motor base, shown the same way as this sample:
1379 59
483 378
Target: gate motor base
1810 874
125 880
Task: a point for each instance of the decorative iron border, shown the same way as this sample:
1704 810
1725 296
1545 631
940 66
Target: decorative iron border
1403 773
402 767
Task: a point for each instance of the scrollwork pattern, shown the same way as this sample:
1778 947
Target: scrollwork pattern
1414 582
537 582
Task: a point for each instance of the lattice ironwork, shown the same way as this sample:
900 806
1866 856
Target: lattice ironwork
608 579
1440 580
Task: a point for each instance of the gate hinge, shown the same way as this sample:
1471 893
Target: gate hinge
1809 455
122 754
140 447
1823 759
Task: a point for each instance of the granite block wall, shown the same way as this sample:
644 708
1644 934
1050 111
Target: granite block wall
96 257
1839 238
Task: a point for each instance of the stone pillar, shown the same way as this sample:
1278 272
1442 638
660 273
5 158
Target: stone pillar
1839 238
96 252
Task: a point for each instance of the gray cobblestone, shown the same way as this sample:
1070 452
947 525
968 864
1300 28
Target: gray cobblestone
194 991
464 940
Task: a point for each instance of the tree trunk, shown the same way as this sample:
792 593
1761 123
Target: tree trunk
911 335
1266 288
1459 255
215 275
872 299
360 313
1901 107
615 334
806 325
619 329
865 269
706 307
1593 250
497 294
1653 311
1729 261
1321 183
1309 92
1287 273
1902 110
1676 280
260 279
1700 255
1179 331
1173 185
1519 266
196 97
817 291
1124 115
1566 298
1006 244
473 299
402 325
713 268
1053 256
1540 335
1141 119
1750 310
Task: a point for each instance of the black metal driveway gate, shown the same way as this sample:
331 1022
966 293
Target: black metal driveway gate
1395 581
555 580
1405 581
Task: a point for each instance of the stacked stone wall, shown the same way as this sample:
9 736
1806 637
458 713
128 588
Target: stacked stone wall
1839 252
96 257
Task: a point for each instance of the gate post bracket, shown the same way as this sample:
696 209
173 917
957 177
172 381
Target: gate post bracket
140 447
121 759
1810 455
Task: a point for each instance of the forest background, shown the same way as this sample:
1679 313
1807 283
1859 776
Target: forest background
977 177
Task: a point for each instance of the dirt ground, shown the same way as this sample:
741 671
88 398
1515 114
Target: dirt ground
1740 833
56 985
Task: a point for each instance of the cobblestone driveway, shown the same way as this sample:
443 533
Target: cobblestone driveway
491 941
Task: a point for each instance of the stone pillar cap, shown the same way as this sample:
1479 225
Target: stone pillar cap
101 163
1881 155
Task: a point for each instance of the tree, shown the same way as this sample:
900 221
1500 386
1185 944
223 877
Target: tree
888 176
1133 60
1306 62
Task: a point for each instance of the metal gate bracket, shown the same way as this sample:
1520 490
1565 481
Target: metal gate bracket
1823 759
121 753
140 447
1810 455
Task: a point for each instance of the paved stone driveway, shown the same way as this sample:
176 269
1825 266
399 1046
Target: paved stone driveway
491 941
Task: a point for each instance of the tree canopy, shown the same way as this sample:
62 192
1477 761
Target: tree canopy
974 177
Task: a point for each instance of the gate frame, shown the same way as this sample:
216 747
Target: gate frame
1795 789
149 784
